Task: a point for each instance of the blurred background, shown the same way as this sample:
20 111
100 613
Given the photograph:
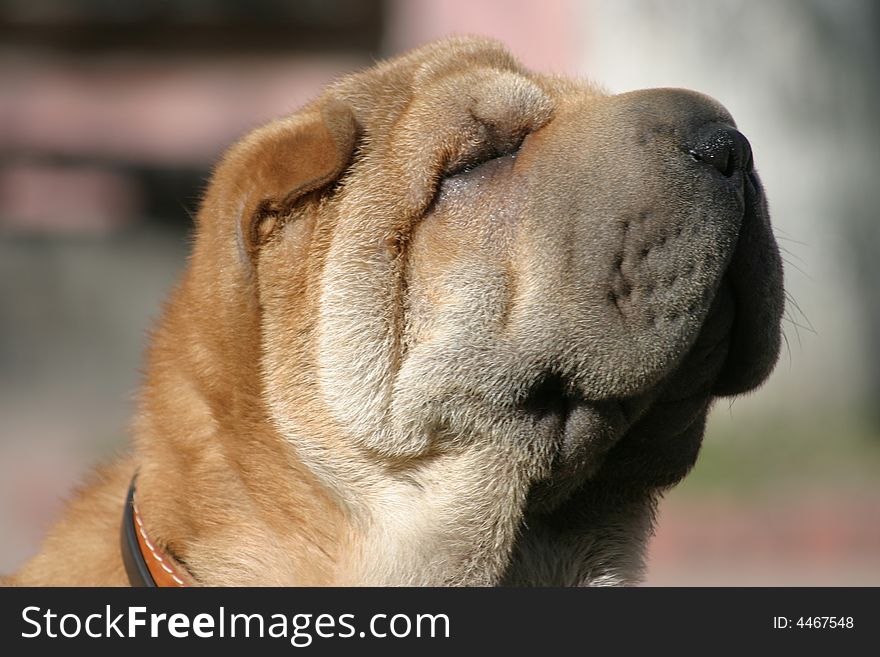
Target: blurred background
113 111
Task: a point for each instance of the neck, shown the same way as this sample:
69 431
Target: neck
221 490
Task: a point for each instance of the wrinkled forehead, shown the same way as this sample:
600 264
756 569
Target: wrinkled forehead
397 79
465 71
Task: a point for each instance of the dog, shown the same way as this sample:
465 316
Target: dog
452 323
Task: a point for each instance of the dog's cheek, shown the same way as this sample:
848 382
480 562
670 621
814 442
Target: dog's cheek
284 290
456 292
459 263
286 303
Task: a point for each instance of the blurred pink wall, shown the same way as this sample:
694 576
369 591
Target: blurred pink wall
543 35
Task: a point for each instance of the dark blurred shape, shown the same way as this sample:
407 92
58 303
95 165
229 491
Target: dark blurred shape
204 26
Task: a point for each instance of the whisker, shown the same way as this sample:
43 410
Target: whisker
798 326
730 405
792 303
797 333
804 273
784 238
782 235
791 253
787 349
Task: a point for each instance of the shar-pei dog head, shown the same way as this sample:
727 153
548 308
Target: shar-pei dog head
455 323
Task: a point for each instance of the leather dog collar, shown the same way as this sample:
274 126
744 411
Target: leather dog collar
145 563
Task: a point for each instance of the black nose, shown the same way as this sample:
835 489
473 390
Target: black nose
725 148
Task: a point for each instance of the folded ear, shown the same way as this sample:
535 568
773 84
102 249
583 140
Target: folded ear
277 164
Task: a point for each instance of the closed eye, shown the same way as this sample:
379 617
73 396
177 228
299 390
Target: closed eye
485 150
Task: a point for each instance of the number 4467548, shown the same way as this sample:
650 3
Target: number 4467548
822 622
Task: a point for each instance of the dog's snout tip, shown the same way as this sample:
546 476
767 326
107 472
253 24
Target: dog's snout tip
724 148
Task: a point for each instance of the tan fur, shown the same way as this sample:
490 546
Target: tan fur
342 389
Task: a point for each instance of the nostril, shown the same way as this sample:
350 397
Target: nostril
724 148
